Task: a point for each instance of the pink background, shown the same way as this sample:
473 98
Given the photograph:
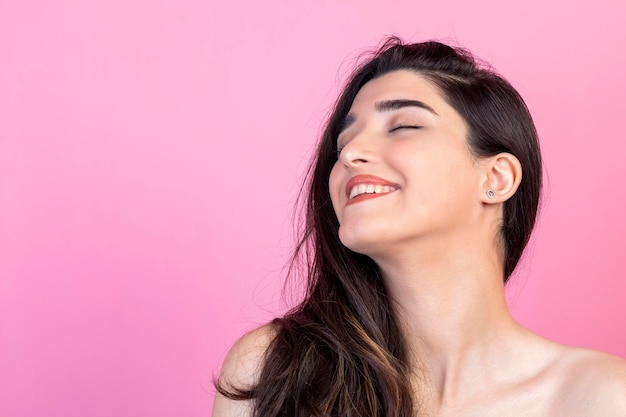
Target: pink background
151 152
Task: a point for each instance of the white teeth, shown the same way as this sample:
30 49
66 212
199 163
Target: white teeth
369 189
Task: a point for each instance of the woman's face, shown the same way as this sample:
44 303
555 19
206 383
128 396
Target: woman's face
405 173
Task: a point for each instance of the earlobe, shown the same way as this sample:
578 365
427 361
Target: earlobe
503 174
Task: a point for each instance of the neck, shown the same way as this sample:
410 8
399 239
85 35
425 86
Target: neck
453 312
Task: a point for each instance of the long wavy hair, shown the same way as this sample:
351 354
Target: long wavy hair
340 352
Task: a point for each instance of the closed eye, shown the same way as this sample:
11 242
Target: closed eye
404 127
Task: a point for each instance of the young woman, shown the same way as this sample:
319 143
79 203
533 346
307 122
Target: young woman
422 197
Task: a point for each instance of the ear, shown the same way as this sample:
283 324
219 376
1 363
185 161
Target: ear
502 174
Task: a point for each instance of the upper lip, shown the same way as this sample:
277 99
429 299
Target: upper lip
367 179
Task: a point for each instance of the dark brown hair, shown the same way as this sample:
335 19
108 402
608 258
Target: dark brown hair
340 352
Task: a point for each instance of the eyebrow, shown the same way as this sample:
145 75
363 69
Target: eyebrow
388 105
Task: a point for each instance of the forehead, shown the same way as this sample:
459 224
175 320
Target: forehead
400 84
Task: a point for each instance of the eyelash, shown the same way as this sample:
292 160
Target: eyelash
405 127
340 148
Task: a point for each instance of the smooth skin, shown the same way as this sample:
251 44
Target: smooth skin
435 239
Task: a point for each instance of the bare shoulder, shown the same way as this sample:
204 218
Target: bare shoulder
244 360
592 384
241 370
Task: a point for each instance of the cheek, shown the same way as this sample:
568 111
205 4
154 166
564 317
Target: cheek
435 178
335 182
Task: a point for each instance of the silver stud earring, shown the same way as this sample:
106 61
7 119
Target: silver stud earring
491 194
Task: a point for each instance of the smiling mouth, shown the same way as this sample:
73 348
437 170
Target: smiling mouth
365 187
369 189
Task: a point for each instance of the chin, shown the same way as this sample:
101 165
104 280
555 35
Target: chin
365 242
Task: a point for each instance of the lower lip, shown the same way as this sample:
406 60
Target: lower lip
364 197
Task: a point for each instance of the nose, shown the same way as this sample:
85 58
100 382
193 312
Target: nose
358 151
